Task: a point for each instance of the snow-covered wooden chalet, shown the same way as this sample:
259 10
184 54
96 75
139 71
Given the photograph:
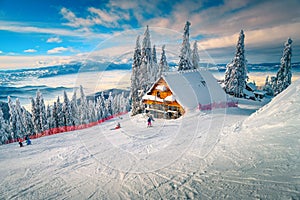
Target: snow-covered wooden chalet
176 92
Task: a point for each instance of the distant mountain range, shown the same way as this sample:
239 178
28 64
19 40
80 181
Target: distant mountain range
261 67
7 76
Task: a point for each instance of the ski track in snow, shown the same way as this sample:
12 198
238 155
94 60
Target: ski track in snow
213 155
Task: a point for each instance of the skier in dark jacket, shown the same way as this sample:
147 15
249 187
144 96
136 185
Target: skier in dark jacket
20 143
28 141
150 119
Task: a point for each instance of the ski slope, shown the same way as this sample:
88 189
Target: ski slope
213 155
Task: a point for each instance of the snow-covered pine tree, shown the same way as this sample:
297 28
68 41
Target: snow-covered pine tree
146 66
12 119
66 109
163 64
154 68
125 105
102 106
4 130
284 75
109 104
36 112
236 71
91 112
28 126
116 104
54 117
60 114
43 115
20 129
83 107
135 78
98 108
74 109
49 117
154 58
268 87
195 56
185 62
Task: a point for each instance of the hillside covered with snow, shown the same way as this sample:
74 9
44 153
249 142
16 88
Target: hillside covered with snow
207 155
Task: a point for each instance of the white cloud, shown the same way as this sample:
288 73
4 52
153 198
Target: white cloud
229 17
260 37
54 40
25 28
1 52
15 62
30 51
95 17
58 50
73 20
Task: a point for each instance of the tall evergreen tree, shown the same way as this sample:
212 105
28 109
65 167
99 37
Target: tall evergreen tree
66 109
28 126
36 112
236 71
284 75
83 107
49 117
154 57
146 49
155 68
54 116
135 78
43 115
99 113
4 130
195 56
116 103
12 119
146 64
124 103
92 111
268 87
145 71
102 106
109 104
185 62
74 109
60 114
163 64
20 129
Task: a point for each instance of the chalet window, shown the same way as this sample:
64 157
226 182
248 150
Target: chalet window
158 94
173 108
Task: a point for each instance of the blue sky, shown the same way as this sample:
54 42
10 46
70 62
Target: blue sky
35 33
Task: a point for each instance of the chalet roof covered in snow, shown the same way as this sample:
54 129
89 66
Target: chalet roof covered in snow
193 87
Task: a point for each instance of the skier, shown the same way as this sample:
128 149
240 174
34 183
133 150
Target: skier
118 125
28 142
20 143
150 119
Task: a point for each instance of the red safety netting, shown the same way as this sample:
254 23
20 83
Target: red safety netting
62 129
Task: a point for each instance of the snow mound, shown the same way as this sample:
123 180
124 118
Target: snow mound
262 151
281 111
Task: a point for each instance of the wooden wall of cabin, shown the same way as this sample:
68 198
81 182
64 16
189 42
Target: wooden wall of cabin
159 93
163 95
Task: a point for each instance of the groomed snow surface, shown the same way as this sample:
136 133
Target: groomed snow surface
221 154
